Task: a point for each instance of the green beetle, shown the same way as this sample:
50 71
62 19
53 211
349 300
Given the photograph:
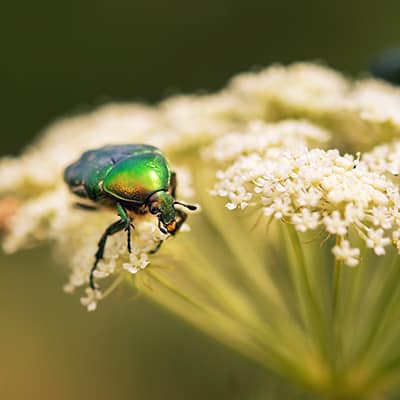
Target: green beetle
134 179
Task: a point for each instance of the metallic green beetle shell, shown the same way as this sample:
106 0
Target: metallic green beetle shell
130 172
137 177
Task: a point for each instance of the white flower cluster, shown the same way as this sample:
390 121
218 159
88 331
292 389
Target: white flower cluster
145 237
260 136
301 86
376 101
250 122
362 113
384 158
313 188
41 218
301 91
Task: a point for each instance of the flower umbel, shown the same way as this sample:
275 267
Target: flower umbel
287 202
315 188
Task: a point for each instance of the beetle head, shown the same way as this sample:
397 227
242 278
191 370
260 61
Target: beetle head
162 204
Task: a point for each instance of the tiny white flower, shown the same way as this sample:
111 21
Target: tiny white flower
377 241
354 213
230 206
381 217
306 220
335 224
344 252
91 299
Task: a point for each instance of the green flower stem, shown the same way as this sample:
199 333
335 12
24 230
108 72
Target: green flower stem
336 280
240 243
355 280
380 319
218 324
310 310
336 329
226 296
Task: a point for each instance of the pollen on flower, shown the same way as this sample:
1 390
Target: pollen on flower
313 188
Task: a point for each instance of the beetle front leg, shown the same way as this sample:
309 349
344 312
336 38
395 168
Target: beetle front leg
86 207
153 251
128 223
123 223
172 185
113 228
180 220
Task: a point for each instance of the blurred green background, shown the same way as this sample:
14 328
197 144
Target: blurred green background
64 57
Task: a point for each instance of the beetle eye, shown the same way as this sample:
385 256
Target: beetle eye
152 209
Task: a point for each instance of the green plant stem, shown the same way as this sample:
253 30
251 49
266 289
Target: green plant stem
310 310
336 280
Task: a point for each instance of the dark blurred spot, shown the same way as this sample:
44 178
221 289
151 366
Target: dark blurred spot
386 65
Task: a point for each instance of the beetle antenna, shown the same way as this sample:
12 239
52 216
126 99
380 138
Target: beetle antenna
189 206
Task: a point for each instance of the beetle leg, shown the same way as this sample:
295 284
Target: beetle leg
86 207
153 251
180 220
113 228
128 230
123 223
128 244
161 228
173 184
122 214
128 223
